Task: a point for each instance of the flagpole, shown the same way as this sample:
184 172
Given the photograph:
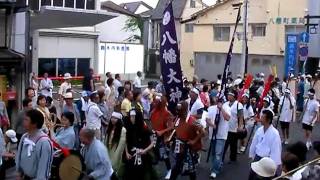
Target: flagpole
223 86
243 64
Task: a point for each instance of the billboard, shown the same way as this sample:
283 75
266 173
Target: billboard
120 58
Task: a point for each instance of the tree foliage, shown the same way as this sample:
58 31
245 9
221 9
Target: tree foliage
134 24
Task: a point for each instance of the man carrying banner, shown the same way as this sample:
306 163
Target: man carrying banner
218 140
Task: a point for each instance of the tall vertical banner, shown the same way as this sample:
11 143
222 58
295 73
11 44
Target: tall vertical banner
292 41
170 58
229 57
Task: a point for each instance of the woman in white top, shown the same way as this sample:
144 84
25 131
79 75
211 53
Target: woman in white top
248 115
34 83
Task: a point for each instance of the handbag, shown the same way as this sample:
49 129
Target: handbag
241 134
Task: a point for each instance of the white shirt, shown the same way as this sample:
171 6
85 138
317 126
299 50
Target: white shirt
117 84
93 116
233 122
248 113
64 87
311 112
137 82
195 107
287 113
266 144
223 124
46 87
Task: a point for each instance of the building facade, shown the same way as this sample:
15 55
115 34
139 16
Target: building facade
207 43
181 9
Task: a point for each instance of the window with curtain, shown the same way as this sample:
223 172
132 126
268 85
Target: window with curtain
221 33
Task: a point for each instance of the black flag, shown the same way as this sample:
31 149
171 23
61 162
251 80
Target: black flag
170 58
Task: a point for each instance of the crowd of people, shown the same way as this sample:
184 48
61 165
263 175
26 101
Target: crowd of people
122 130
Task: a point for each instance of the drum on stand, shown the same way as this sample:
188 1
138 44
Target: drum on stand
67 168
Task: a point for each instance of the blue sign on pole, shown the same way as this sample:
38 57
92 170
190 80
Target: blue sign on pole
291 53
304 37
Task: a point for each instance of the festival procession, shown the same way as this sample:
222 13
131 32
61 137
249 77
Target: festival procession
159 89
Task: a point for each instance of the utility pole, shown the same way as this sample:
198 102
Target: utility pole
244 38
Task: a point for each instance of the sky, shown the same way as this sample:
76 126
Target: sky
153 3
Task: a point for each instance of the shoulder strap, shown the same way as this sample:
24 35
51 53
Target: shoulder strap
40 137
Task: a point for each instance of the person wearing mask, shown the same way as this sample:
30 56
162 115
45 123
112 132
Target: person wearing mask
65 86
161 124
94 115
117 83
310 116
217 135
46 86
248 115
65 135
266 143
138 163
34 148
187 143
287 113
18 126
88 81
126 103
235 125
137 83
116 141
96 157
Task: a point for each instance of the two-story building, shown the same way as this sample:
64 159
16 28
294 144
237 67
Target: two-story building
181 10
209 38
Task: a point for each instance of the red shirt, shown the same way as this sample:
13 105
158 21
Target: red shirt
187 131
159 119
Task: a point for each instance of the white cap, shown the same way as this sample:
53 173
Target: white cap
68 95
67 76
196 91
116 115
291 75
12 135
261 74
246 95
308 76
266 167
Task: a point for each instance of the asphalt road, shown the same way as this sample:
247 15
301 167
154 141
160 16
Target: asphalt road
240 170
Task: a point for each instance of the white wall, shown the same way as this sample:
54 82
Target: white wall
314 10
114 60
18 35
65 47
112 30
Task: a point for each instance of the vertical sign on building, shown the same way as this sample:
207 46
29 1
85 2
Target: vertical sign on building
291 53
170 58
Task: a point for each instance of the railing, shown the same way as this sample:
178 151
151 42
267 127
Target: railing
76 4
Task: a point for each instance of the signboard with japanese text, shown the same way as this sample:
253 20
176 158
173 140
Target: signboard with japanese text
292 41
170 58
